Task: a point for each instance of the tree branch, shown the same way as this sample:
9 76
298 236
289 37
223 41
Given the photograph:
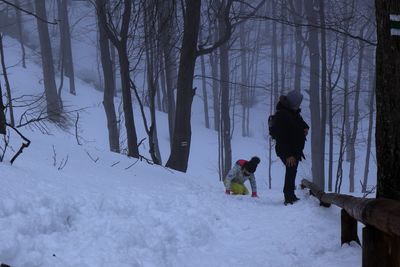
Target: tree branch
27 12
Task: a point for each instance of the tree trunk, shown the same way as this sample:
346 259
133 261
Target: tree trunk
179 157
204 87
109 85
323 86
356 117
8 88
150 42
53 101
283 55
225 117
167 19
215 89
244 76
388 98
275 53
3 120
66 44
20 32
370 128
297 18
120 42
314 55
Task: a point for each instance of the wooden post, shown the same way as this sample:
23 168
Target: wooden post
380 249
349 228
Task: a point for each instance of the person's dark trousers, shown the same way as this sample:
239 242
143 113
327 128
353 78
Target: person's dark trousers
290 177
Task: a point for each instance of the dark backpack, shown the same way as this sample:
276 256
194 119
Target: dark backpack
272 126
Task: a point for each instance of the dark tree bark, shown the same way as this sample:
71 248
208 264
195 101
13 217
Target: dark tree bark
178 159
215 90
323 85
370 127
120 41
20 32
109 85
8 88
243 74
275 53
297 11
314 55
225 116
53 101
2 115
150 43
387 100
204 87
66 48
167 27
356 116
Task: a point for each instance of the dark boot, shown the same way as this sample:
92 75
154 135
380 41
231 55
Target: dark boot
295 198
288 200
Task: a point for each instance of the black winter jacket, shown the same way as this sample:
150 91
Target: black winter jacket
290 128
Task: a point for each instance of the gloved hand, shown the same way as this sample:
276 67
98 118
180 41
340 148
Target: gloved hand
254 194
228 191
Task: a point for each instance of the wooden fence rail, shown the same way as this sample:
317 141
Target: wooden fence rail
381 217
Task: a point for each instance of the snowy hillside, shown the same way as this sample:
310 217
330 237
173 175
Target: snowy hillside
64 204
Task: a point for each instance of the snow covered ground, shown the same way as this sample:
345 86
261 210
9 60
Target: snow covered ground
115 211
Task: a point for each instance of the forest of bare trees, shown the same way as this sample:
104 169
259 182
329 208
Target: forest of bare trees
158 55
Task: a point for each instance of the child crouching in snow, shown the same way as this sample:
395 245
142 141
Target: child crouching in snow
242 171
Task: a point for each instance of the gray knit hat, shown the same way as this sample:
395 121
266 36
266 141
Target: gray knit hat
294 97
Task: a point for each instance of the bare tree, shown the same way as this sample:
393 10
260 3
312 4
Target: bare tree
109 85
65 44
225 132
3 120
20 32
167 27
8 88
370 127
314 55
53 101
119 38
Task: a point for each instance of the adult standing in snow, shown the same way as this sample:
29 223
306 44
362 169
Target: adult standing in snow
291 132
242 171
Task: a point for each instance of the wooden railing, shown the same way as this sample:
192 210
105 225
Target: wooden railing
381 217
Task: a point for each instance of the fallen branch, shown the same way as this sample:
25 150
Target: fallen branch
76 129
24 144
93 159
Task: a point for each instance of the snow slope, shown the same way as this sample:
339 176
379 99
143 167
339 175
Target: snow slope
115 211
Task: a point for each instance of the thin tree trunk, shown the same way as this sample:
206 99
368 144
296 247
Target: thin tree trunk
314 55
323 85
8 88
66 45
204 87
297 18
215 89
3 120
356 116
120 42
244 76
20 32
167 20
339 172
370 129
283 56
53 102
275 52
151 81
109 86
